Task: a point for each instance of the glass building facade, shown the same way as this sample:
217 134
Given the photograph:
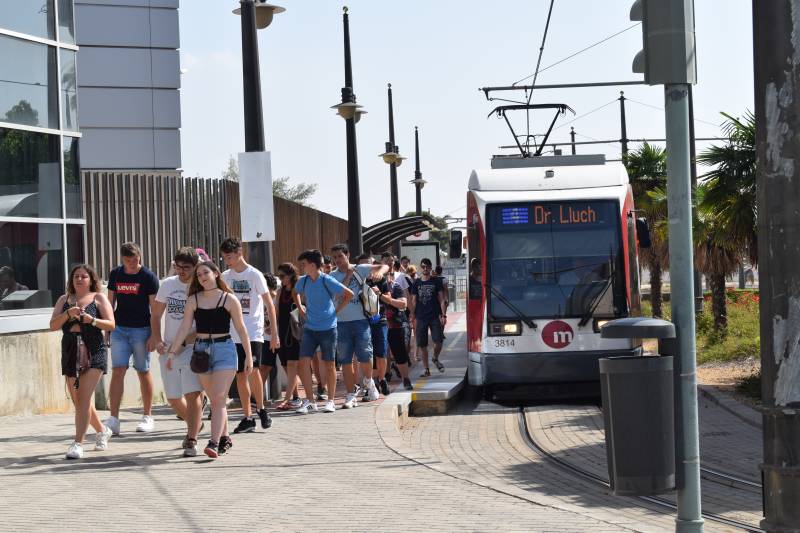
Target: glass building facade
42 226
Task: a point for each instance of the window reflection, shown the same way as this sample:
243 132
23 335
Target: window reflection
31 265
74 245
34 17
28 83
30 174
66 22
72 178
69 91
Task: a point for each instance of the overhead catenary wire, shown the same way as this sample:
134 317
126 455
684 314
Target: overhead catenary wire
576 53
615 100
662 109
536 74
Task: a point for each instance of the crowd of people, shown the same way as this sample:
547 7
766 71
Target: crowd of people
325 316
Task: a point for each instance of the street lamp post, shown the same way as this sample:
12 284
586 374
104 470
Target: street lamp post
418 182
255 15
351 113
392 158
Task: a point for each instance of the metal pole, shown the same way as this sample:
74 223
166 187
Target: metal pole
417 173
572 138
777 104
679 201
354 235
623 124
257 252
698 287
395 205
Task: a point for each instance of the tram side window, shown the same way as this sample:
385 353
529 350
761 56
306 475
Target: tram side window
475 267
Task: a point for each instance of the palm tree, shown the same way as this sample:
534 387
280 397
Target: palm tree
647 170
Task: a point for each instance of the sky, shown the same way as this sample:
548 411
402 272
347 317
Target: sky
436 55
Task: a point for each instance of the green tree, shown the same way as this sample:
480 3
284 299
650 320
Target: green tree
647 171
23 113
300 193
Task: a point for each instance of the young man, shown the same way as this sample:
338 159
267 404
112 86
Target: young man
181 385
428 308
354 336
320 292
132 290
378 327
250 287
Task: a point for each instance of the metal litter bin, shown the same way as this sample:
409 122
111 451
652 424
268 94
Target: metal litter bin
638 410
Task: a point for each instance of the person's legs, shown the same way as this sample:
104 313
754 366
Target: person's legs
396 339
316 369
171 380
243 383
121 351
257 376
291 380
328 344
88 382
422 342
194 412
137 337
219 385
345 339
437 334
308 346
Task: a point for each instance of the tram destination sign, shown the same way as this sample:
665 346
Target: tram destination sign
570 213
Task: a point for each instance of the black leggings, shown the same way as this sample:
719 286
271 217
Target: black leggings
397 343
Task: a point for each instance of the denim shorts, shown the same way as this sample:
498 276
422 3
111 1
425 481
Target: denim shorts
354 338
422 331
380 341
222 354
324 340
127 342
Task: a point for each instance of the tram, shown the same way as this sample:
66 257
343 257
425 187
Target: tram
552 255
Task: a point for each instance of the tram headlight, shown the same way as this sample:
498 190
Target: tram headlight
599 323
500 329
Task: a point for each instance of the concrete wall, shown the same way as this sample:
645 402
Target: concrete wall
31 380
128 84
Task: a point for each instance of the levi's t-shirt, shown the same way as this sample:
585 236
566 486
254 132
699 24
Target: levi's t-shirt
132 296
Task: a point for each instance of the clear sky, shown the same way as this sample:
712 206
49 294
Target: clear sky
436 54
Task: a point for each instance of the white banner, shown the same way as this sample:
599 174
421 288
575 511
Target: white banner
255 197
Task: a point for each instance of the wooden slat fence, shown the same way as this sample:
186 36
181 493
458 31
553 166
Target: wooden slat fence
299 228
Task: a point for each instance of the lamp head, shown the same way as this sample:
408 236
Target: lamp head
348 110
264 13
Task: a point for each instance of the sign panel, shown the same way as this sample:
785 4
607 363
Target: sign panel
420 236
255 197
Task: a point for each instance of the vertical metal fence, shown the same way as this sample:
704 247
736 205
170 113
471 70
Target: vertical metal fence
159 211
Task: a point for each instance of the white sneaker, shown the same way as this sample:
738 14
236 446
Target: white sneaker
75 451
146 425
112 423
304 407
329 407
101 439
295 403
349 401
312 406
372 391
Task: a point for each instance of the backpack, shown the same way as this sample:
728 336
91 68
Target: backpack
370 302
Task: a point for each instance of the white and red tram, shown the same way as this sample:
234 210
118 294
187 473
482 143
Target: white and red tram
552 255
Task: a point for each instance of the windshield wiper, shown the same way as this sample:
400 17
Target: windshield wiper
522 316
595 300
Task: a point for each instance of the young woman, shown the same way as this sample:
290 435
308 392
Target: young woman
84 358
212 306
289 352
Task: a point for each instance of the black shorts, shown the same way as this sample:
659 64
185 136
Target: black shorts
268 357
69 357
289 350
397 343
255 348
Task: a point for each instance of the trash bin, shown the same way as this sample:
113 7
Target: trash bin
638 410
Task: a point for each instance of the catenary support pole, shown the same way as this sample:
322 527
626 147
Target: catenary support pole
777 110
258 253
698 287
623 124
679 201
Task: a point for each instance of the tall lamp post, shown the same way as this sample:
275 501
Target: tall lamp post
418 182
392 158
351 112
255 15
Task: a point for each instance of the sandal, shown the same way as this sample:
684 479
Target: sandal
426 374
283 406
439 365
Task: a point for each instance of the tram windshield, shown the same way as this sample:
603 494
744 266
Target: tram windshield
555 259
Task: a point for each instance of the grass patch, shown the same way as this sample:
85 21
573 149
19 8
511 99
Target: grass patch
742 338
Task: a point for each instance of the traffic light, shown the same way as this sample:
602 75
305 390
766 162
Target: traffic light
668 51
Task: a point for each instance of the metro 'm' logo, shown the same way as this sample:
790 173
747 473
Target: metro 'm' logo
128 288
557 334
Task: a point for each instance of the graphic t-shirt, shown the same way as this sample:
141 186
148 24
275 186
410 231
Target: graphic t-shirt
354 310
427 305
248 286
320 296
132 292
172 293
395 318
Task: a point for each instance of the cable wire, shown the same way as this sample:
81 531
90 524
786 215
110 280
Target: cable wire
587 114
535 74
662 109
576 53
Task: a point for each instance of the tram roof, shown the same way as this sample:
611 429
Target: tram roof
548 173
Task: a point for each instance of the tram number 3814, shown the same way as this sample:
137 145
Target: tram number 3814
504 343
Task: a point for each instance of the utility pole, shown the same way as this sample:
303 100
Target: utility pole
572 138
698 286
777 111
623 124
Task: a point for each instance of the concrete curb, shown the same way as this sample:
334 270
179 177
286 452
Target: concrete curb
745 413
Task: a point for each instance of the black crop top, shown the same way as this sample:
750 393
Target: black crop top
212 321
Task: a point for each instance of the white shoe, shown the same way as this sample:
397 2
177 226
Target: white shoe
312 406
101 439
329 407
146 425
295 403
350 401
112 423
372 391
304 407
75 451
